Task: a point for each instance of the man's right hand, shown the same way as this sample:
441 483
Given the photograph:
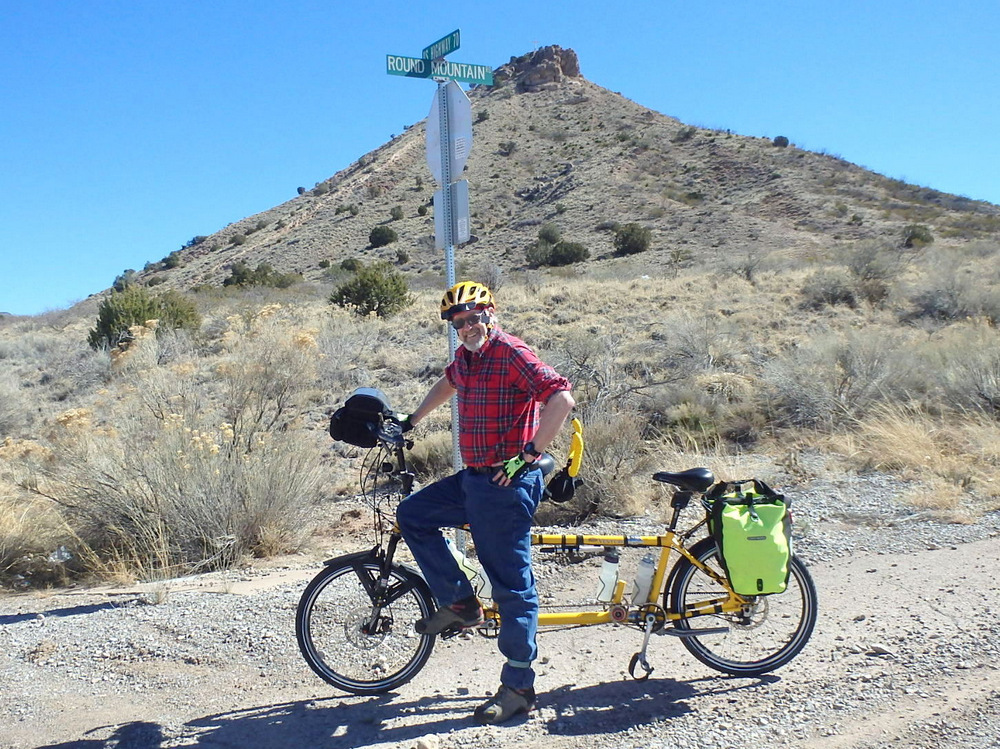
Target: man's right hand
405 424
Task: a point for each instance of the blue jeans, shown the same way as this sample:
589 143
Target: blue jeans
500 521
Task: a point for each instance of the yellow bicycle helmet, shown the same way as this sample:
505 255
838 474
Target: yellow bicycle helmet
464 296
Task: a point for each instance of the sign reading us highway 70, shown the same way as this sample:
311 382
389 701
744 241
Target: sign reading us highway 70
443 46
419 67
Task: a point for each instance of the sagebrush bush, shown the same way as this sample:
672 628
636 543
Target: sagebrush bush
380 236
831 380
396 212
828 288
13 409
566 253
209 486
916 236
135 306
377 288
240 274
632 238
550 233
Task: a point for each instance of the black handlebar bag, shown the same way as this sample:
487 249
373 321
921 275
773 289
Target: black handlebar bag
358 421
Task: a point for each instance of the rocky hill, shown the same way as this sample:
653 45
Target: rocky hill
550 146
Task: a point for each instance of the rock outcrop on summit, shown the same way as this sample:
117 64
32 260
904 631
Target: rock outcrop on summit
541 70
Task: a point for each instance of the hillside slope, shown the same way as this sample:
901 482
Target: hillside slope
550 146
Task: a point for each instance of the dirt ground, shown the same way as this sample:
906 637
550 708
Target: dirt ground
905 654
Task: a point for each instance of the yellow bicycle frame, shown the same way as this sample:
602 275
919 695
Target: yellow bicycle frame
732 602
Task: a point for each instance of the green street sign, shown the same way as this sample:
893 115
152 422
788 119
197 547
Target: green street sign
418 67
442 46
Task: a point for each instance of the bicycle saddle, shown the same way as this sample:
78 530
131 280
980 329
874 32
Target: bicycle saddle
692 480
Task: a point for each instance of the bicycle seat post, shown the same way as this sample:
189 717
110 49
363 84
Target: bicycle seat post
679 501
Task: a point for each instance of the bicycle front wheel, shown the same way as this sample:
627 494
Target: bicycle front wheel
766 634
357 638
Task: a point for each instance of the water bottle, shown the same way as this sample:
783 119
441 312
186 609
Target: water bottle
643 579
480 581
609 575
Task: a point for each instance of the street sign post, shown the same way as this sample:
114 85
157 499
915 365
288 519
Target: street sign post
458 215
443 46
449 142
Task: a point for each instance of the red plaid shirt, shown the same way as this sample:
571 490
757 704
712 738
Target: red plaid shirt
500 389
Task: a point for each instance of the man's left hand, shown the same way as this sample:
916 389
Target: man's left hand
511 469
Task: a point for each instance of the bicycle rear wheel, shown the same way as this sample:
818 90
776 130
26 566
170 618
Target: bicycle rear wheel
357 639
766 635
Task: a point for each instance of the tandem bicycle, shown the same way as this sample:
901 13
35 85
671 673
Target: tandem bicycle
355 620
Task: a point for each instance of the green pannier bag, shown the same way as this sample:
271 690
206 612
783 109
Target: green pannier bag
752 528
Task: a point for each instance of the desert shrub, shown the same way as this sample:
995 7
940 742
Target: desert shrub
351 264
323 264
566 253
538 253
492 275
33 541
377 288
126 279
207 489
684 134
432 456
396 213
828 288
632 238
240 274
155 281
550 233
13 409
421 210
780 141
381 236
239 239
402 256
962 363
916 236
948 292
173 260
616 465
832 379
134 306
507 148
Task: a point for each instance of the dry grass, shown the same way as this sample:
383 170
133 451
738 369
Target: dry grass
196 452
957 461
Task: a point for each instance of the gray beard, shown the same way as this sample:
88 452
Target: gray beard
474 347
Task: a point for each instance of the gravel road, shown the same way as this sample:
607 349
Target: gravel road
905 654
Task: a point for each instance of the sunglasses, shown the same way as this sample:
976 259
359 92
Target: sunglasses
474 319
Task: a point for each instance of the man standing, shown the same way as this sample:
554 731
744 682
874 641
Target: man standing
511 405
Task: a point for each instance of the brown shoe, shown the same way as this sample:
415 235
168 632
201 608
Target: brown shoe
504 705
463 614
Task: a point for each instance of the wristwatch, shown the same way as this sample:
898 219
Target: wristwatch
529 449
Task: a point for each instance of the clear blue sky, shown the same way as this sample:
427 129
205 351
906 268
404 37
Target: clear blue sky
129 126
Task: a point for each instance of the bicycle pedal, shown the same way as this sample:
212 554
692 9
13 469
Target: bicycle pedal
449 632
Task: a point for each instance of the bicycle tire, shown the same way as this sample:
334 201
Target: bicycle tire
330 619
765 637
